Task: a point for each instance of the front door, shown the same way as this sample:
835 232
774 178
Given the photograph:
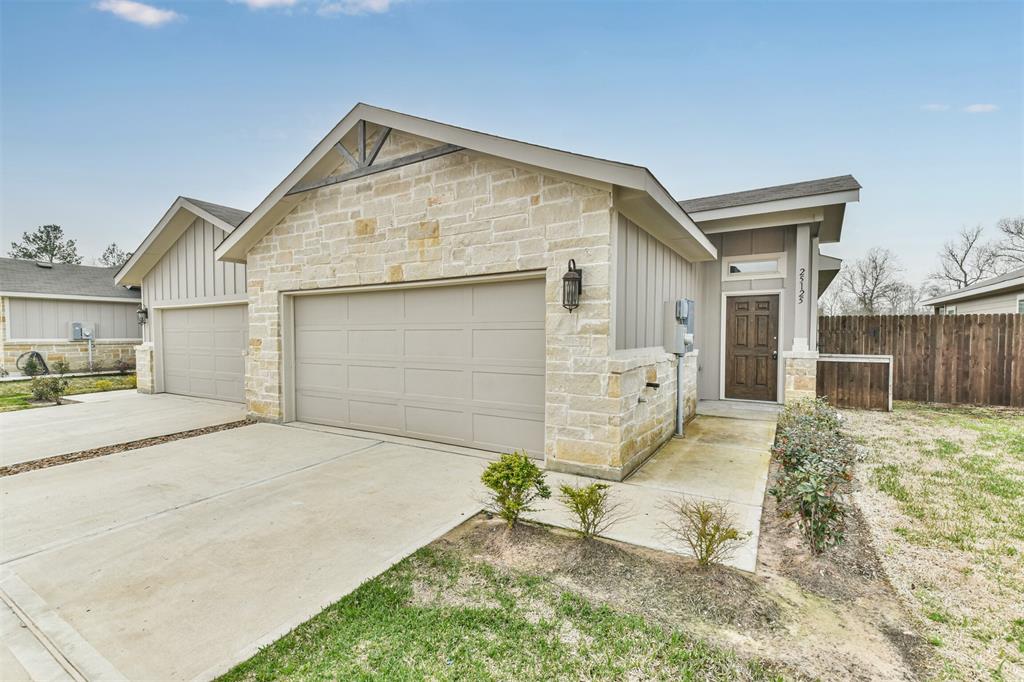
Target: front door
752 347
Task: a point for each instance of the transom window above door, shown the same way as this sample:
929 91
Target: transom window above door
759 266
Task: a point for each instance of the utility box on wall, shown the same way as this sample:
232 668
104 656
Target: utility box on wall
81 331
680 322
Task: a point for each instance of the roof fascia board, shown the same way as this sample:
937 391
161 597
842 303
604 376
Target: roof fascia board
70 297
777 205
756 222
233 248
974 293
156 243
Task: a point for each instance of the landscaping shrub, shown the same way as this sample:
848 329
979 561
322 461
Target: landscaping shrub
50 388
31 368
707 528
61 367
591 506
815 460
515 483
103 385
132 381
122 366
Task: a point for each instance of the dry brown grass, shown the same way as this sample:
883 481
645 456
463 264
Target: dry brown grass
943 494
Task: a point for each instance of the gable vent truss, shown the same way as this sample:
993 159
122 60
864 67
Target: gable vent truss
364 158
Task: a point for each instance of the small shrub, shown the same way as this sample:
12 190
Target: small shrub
61 367
103 385
3 372
515 483
707 528
32 367
122 366
815 459
50 388
591 506
132 381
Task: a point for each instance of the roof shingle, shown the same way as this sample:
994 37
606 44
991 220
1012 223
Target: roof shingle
840 183
28 277
232 216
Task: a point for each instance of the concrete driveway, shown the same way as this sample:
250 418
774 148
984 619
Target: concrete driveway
101 419
176 561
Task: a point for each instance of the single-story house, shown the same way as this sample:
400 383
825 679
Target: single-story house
1002 294
41 304
409 277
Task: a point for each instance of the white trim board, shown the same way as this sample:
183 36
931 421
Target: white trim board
779 378
73 297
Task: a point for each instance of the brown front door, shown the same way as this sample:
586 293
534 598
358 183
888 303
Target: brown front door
751 347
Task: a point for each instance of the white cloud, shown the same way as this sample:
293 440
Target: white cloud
935 107
981 108
353 7
138 12
266 4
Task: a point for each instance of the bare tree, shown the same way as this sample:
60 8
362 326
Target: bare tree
868 282
833 302
1011 248
903 298
966 259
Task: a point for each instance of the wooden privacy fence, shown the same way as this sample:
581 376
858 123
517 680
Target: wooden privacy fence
975 359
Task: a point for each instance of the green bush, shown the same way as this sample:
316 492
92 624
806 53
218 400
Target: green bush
515 483
103 385
707 528
50 388
815 459
32 368
60 367
591 506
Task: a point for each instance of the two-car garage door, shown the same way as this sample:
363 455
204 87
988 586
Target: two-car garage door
460 364
203 351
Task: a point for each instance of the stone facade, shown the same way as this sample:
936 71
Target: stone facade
801 375
105 354
466 214
144 368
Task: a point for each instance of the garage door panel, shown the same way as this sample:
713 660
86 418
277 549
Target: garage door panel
459 364
203 351
497 431
508 344
379 342
436 343
435 383
366 414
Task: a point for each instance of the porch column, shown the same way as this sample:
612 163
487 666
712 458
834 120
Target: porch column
801 289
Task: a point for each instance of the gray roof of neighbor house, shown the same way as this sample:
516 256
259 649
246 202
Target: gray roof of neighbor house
992 285
19 276
840 183
232 216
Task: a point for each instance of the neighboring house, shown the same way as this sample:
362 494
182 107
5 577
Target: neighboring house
39 303
1002 294
407 278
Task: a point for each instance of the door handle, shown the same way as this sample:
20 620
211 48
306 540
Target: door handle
775 355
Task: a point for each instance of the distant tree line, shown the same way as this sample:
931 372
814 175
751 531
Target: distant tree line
874 284
48 244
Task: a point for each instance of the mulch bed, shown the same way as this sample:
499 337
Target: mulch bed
57 460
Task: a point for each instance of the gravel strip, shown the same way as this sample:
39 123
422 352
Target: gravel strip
57 460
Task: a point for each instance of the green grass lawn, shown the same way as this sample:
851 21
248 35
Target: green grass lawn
946 485
15 395
438 615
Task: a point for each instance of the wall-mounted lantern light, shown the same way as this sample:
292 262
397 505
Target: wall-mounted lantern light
142 314
572 285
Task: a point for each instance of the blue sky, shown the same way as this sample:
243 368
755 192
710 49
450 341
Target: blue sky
110 109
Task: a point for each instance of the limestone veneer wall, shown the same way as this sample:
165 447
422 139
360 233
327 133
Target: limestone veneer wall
461 215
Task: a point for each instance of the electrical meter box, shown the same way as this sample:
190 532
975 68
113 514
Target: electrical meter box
81 331
680 319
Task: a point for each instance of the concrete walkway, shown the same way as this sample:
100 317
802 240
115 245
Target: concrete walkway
175 562
99 419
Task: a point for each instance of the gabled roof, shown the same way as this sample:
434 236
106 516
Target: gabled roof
993 285
840 183
639 194
171 226
59 280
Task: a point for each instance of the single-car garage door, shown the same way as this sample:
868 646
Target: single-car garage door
203 351
461 364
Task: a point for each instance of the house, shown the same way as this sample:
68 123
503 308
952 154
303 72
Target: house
1002 294
407 278
40 303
